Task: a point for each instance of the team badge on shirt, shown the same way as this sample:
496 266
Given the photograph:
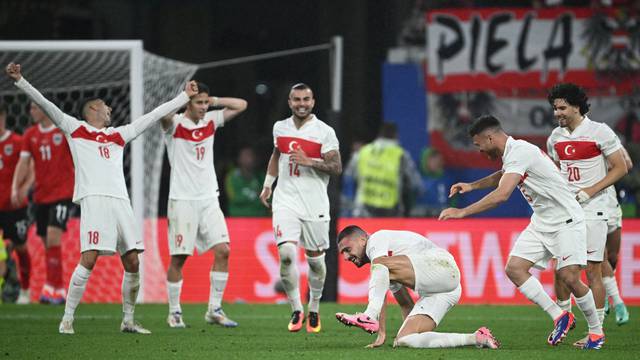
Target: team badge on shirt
8 149
57 139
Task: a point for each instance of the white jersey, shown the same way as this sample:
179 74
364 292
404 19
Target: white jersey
303 189
582 163
397 242
541 184
190 153
98 153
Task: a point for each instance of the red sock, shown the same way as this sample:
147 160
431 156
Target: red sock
25 268
54 266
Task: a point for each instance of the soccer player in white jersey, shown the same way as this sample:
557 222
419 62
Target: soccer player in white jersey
195 218
306 153
401 260
614 234
107 223
582 148
556 230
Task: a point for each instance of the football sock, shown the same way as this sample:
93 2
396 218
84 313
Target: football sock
588 308
130 288
600 313
77 285
532 289
54 266
565 305
378 287
317 274
432 339
25 268
289 274
218 282
173 292
611 286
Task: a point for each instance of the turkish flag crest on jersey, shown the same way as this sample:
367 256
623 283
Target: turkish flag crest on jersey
287 145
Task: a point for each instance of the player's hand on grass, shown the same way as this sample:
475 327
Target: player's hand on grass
191 88
460 188
265 195
451 213
299 157
379 341
14 71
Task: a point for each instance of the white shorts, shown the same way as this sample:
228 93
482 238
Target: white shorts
596 239
107 224
436 306
614 222
195 223
435 272
568 246
313 235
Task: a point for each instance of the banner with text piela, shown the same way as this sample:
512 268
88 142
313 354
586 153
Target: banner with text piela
503 62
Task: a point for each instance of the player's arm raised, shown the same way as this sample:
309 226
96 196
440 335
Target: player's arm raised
490 181
232 106
65 122
272 174
507 184
167 121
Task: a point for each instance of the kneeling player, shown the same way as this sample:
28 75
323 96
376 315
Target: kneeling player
400 260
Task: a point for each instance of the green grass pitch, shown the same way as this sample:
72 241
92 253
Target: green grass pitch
30 332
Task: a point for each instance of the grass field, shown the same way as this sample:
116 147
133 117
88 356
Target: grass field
30 332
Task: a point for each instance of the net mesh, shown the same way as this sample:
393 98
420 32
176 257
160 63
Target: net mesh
68 78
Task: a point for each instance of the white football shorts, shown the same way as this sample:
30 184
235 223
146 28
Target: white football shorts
614 221
195 223
107 224
312 235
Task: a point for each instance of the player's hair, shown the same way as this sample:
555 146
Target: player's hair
573 94
483 123
388 130
300 86
86 104
4 109
203 88
350 230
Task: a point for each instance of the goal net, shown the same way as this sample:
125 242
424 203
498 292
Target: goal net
132 82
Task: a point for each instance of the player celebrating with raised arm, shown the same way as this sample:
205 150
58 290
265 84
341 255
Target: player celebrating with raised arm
306 153
556 230
195 218
401 260
107 221
45 147
583 148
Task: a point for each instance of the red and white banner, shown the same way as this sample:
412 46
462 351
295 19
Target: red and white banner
481 248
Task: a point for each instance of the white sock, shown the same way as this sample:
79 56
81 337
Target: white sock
378 286
600 313
588 308
77 285
289 274
432 339
218 281
130 287
317 273
533 290
565 305
173 292
611 286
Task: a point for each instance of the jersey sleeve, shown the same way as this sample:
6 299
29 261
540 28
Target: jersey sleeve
551 150
25 148
330 142
217 116
377 246
66 123
607 140
275 135
172 127
138 126
518 160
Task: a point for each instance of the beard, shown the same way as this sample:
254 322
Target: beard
492 154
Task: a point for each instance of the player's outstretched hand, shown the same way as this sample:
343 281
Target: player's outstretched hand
451 213
265 195
14 71
460 188
379 341
191 88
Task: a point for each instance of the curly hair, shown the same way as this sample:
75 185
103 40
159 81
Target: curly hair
573 94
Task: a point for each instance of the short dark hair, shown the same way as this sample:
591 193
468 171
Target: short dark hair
350 230
203 88
388 130
4 109
573 94
483 123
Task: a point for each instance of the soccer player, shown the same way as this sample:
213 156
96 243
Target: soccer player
195 218
45 145
582 148
401 260
107 221
306 153
13 217
556 230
